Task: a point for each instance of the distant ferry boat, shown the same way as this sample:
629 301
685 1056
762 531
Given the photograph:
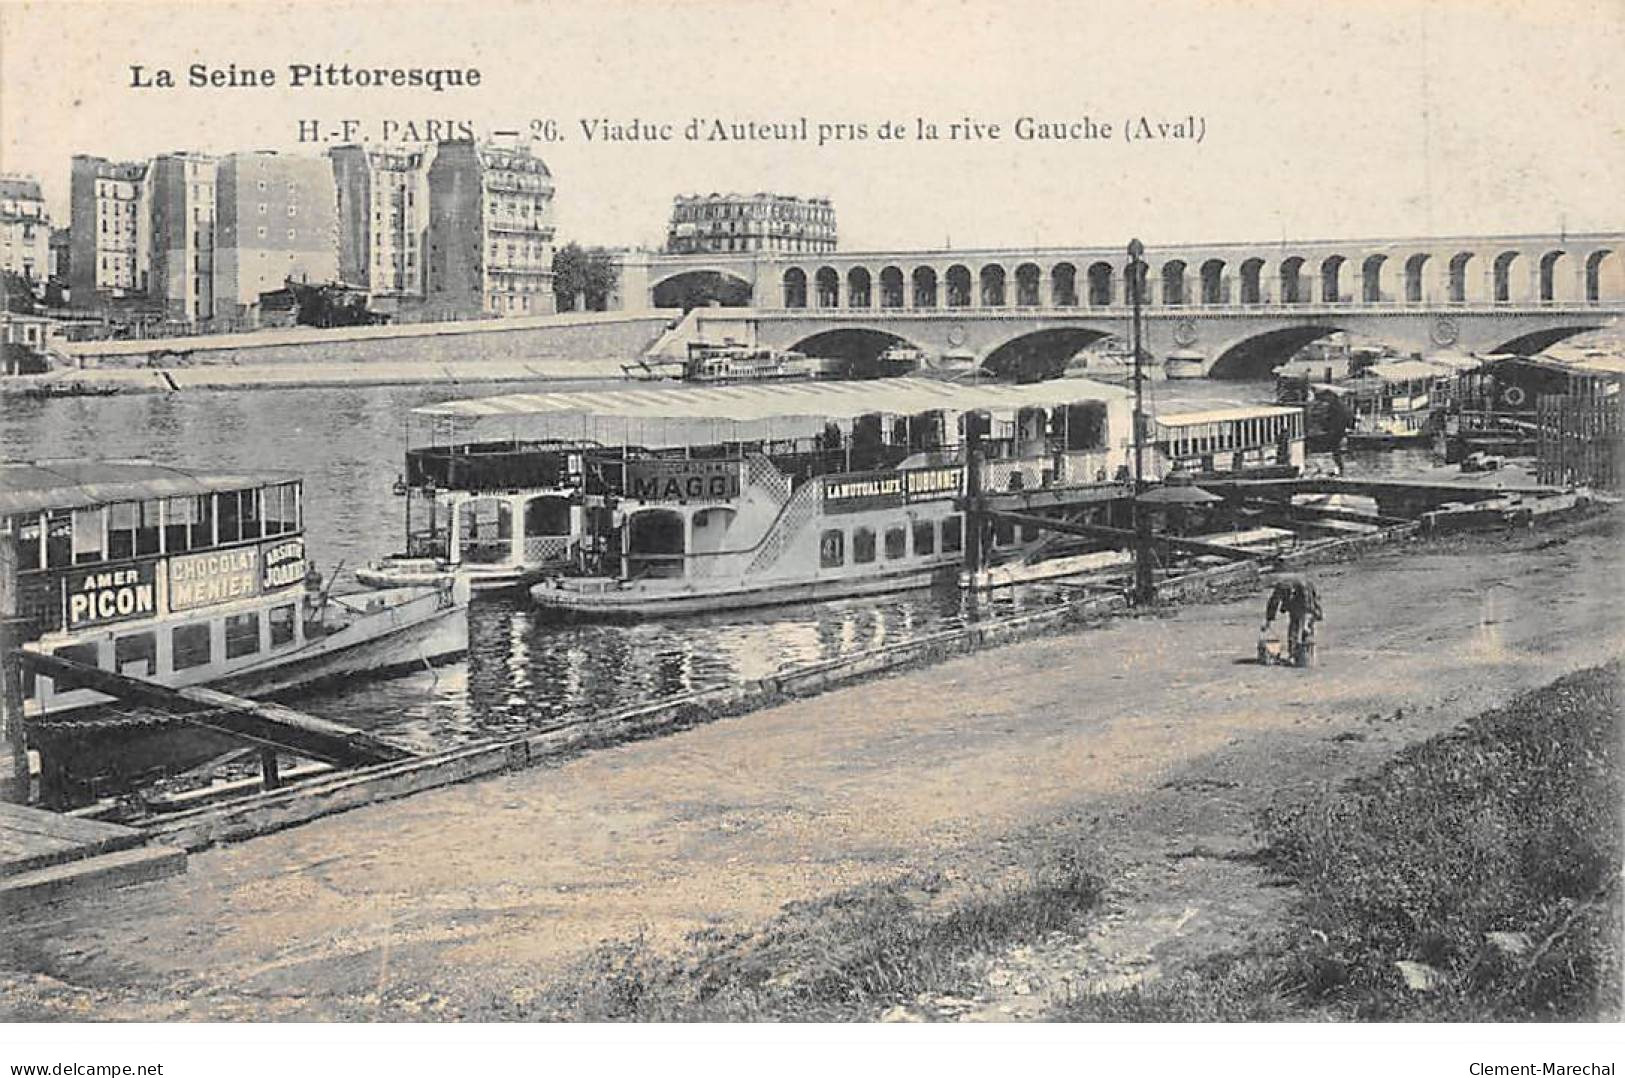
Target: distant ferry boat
751 496
190 577
731 362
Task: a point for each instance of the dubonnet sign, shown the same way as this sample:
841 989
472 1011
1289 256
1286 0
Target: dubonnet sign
881 490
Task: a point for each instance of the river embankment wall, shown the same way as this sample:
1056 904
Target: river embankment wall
566 346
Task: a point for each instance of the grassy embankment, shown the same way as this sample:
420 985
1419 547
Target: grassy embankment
1474 877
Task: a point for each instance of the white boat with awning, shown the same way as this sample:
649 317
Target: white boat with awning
708 498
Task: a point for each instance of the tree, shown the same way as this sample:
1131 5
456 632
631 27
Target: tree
585 272
329 305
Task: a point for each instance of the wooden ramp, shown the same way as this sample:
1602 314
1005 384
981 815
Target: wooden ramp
45 856
270 726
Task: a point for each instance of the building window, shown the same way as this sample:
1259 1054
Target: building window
242 634
190 645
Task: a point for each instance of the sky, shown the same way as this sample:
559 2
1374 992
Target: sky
1370 119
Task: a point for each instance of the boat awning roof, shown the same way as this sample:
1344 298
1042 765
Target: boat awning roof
32 486
1406 370
893 396
1225 415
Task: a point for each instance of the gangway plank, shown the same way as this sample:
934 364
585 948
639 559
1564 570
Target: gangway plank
268 725
1101 531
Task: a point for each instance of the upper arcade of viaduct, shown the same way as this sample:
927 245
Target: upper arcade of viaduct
1463 271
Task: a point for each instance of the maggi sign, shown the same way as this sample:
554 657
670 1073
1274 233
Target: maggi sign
216 577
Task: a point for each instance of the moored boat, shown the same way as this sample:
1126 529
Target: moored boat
754 496
496 513
731 361
192 578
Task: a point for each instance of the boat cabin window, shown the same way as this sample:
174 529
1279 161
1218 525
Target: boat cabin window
190 645
282 625
89 535
832 549
27 530
229 512
896 542
1083 425
281 504
248 502
547 516
953 534
863 545
1004 532
242 634
89 654
136 655
59 537
188 522
925 537
132 529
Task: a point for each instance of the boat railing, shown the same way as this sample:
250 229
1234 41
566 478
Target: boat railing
1070 469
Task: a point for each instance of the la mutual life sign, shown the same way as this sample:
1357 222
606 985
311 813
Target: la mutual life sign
218 576
100 596
858 491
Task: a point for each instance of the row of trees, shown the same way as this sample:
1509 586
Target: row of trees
582 278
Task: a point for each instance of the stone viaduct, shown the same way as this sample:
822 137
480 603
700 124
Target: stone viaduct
1241 307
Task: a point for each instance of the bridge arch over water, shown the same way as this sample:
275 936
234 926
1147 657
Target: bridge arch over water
1041 353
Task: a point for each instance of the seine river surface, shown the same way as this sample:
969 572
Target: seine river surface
347 444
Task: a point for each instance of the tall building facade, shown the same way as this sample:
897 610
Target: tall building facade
180 199
383 222
701 224
107 200
490 231
275 219
25 229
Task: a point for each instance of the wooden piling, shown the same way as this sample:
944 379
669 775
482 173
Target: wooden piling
13 737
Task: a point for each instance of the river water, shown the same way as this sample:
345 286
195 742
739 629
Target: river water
522 671
347 444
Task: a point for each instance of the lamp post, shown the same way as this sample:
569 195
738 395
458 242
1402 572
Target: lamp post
1144 587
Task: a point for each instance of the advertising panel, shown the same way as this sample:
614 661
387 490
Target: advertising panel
218 576
102 596
881 490
282 563
682 480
